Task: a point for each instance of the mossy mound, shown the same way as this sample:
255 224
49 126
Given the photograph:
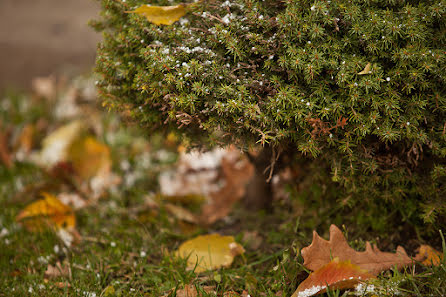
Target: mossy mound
357 87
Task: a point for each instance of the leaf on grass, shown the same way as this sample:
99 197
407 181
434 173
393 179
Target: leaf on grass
335 275
427 255
367 69
321 251
89 157
55 146
208 252
191 291
161 15
58 270
47 212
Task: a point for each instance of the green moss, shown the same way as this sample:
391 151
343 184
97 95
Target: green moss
285 74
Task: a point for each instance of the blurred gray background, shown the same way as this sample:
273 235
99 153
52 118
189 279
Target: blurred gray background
42 37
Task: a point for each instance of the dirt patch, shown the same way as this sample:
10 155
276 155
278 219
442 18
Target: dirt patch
39 38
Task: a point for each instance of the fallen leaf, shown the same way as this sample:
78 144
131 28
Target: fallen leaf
335 275
191 291
321 251
208 252
55 146
58 270
367 69
219 176
5 156
89 157
161 15
427 255
237 173
47 212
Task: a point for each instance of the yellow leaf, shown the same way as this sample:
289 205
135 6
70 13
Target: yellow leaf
161 15
429 255
47 212
89 157
367 69
56 144
207 252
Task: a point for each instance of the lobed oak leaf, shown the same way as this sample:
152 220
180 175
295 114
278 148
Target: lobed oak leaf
47 212
161 15
320 252
208 252
335 275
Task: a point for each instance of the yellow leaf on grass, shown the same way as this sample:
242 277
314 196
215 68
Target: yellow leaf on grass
55 146
207 252
367 69
47 212
89 157
161 15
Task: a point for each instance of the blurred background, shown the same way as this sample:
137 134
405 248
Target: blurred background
44 37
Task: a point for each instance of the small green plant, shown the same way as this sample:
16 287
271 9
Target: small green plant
355 89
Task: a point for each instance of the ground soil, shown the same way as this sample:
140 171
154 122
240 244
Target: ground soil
38 38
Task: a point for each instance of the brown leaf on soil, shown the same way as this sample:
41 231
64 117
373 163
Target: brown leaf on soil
320 252
336 275
427 255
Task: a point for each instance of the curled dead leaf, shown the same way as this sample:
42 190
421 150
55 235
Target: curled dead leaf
335 275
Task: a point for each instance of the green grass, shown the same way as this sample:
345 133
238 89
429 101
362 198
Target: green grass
126 247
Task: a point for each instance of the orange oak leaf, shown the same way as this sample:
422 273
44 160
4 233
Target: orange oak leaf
320 252
335 275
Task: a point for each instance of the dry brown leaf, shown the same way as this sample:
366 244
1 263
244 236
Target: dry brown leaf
427 255
191 291
58 270
336 275
321 251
